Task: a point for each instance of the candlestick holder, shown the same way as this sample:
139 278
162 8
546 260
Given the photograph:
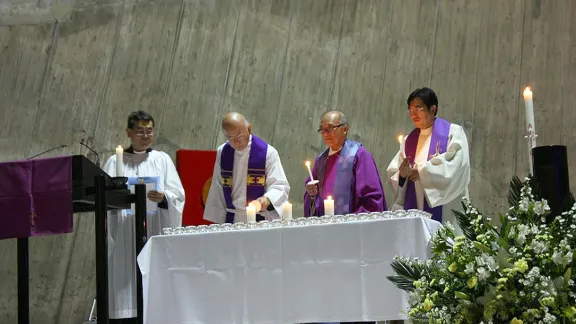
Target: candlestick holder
531 136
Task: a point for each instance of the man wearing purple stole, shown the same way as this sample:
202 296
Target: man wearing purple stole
345 171
431 171
246 169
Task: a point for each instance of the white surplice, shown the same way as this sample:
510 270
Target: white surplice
121 234
277 188
444 179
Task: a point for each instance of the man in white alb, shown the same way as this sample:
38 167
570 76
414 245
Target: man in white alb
140 160
431 171
246 169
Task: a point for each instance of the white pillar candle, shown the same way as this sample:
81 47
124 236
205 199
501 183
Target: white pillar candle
309 171
530 125
329 206
251 213
119 161
287 211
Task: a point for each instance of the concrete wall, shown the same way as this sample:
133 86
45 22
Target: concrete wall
282 63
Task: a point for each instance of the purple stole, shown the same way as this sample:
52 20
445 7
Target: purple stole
256 184
345 183
438 145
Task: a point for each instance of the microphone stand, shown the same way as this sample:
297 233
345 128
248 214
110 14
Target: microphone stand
93 151
47 151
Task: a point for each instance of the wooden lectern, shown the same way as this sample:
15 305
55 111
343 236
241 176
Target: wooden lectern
28 197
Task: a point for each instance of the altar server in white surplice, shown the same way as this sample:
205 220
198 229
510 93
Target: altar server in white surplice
140 160
246 169
431 171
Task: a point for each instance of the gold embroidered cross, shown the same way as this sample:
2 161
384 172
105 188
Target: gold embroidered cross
226 181
256 180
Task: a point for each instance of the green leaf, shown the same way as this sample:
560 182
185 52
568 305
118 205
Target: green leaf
464 221
482 247
568 274
515 191
405 274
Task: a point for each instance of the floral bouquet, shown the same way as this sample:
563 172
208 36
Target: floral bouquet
521 271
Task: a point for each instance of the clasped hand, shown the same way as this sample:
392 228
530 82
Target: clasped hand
406 171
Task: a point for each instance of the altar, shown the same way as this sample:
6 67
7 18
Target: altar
331 268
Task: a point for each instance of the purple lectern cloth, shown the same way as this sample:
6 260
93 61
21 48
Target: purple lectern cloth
36 197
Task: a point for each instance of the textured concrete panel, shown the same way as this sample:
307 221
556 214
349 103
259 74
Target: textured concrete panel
201 68
495 105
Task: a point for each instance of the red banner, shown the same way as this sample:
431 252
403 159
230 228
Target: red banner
195 169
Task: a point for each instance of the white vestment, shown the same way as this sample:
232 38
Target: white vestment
121 233
444 179
277 188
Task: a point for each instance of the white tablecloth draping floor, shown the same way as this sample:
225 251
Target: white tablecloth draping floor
317 273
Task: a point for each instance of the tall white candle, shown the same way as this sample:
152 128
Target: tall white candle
251 213
287 211
530 125
329 206
309 171
119 161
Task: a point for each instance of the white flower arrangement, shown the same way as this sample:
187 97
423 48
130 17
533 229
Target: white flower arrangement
518 272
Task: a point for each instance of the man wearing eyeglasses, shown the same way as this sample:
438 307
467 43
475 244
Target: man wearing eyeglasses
140 160
247 169
345 171
432 168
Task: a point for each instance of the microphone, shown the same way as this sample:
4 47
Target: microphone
50 150
93 151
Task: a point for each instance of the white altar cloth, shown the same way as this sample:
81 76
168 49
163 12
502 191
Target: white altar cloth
315 273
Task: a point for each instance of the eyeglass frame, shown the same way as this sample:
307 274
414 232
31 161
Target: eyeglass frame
325 131
235 137
142 132
417 108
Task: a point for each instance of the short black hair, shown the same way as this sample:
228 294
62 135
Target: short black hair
427 95
137 116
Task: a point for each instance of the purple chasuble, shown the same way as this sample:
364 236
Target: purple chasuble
256 184
36 197
330 175
438 145
343 183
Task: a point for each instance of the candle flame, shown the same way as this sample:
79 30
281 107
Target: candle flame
329 198
400 138
307 163
527 90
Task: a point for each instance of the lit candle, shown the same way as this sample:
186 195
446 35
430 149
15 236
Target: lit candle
329 206
309 171
251 213
400 138
119 161
530 125
287 211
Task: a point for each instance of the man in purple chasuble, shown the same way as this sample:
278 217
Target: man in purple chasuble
431 171
246 169
346 171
